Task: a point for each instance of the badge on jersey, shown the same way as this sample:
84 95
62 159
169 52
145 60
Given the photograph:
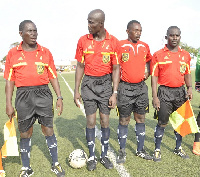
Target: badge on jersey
125 57
106 58
40 69
182 68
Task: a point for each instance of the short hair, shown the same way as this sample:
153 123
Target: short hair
100 13
131 22
22 24
173 27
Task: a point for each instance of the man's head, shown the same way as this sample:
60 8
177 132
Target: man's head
28 32
96 19
173 36
134 30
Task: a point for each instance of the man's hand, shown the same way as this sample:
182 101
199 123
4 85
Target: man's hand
10 112
59 106
113 101
77 99
156 103
189 93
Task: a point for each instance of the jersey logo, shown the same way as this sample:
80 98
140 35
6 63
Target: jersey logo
125 57
40 69
20 58
41 58
183 58
106 58
90 47
107 47
166 57
182 68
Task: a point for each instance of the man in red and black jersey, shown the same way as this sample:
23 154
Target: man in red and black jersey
97 56
30 67
170 68
133 91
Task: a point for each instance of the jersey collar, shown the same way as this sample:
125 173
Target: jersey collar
90 36
19 47
166 49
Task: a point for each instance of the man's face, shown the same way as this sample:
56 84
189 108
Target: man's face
173 37
29 34
134 32
94 25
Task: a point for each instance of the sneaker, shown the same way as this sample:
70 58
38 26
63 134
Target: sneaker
106 162
180 152
26 172
143 154
91 163
196 148
58 170
121 158
157 155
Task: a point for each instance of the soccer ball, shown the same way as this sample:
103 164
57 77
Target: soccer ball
78 158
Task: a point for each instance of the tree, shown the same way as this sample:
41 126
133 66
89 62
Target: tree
191 50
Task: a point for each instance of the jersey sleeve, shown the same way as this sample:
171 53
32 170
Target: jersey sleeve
51 67
117 53
154 65
79 52
188 71
9 72
149 56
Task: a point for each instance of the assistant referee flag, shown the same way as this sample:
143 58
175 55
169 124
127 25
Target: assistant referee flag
2 172
183 120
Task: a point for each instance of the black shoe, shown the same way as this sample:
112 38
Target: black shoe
58 170
91 163
180 152
25 172
157 155
143 154
121 158
106 162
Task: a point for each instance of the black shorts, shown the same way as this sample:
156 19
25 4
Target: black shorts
170 100
132 97
35 102
95 92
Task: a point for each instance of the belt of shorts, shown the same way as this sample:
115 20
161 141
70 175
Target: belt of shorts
171 87
32 87
99 77
128 83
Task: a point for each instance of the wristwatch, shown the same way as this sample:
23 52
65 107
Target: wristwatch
60 97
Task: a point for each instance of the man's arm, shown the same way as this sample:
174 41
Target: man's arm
56 87
188 82
9 88
147 70
156 101
78 77
115 79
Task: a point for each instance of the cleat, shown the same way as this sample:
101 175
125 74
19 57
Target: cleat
121 158
26 172
157 155
196 148
143 154
91 163
180 152
106 162
58 170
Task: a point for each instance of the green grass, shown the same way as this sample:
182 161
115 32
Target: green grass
70 131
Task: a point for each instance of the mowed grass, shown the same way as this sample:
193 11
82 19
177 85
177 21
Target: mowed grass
70 131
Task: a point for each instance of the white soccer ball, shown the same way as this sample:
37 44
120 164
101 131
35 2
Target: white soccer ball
78 158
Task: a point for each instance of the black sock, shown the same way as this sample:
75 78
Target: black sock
140 134
25 148
90 137
105 134
122 133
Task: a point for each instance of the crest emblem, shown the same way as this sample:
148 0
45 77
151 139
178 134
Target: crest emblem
106 58
182 68
40 69
125 57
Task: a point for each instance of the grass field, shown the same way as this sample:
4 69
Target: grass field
70 131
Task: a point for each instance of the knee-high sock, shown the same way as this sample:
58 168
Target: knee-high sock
25 148
140 134
90 137
197 137
122 133
178 139
158 134
105 134
52 145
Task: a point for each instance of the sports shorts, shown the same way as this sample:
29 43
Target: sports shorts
31 103
95 93
170 100
132 97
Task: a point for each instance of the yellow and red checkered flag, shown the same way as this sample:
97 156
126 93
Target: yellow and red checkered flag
10 147
183 120
2 172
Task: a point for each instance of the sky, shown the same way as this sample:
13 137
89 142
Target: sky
61 23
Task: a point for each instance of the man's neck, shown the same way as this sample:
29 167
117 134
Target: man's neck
27 47
100 36
172 49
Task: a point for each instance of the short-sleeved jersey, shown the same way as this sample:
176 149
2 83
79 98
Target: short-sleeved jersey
29 68
98 56
133 60
170 67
